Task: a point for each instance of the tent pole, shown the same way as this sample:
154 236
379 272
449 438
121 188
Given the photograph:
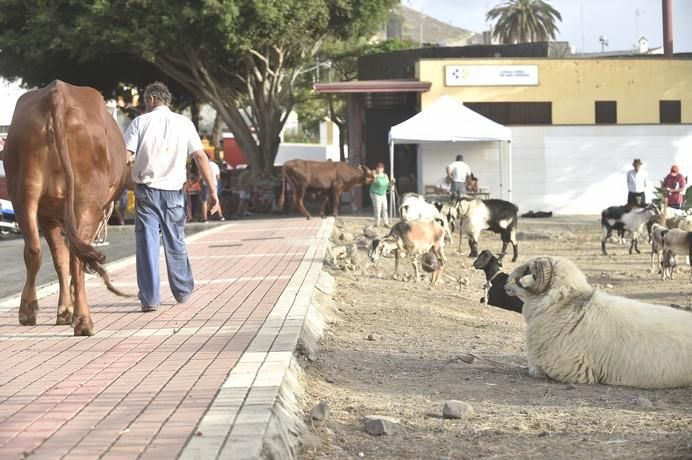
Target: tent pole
499 157
392 191
509 161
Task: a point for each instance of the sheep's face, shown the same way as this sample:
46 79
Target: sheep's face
531 279
555 277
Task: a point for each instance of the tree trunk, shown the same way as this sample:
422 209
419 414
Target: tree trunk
217 131
194 113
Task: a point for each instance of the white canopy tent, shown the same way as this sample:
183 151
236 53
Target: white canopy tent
448 120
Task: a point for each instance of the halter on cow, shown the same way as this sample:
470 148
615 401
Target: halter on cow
65 162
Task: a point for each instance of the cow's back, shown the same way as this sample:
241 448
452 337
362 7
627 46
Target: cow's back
311 174
93 141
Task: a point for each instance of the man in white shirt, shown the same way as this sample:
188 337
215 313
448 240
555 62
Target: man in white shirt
456 174
637 182
161 142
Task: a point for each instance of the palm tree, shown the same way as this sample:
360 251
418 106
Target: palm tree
521 21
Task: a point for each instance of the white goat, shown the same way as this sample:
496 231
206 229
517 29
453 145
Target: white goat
414 207
679 242
413 239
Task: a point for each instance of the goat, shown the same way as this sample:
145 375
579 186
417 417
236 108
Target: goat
657 232
679 242
628 219
494 290
414 207
414 239
499 216
668 264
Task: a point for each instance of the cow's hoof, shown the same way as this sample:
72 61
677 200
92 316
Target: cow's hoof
64 317
83 326
27 313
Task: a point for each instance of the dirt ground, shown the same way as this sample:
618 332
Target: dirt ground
395 352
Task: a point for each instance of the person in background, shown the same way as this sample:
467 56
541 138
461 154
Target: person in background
378 195
457 172
674 186
159 143
637 182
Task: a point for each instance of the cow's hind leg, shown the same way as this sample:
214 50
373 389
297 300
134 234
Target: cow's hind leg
299 197
86 230
61 261
28 221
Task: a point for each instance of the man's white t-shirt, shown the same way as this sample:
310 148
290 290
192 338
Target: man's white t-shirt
161 141
459 170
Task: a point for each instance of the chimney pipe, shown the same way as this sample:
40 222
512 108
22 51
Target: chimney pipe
667 9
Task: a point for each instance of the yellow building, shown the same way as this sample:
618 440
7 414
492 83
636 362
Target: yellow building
565 91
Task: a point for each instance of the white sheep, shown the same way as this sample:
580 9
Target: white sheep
578 334
414 207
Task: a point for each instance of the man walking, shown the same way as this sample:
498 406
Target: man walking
160 142
637 182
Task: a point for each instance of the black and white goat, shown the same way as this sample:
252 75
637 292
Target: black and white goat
494 290
625 218
498 216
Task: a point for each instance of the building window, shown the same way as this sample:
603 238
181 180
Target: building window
606 112
669 111
515 113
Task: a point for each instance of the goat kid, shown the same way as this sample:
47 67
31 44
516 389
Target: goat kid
678 242
413 239
494 289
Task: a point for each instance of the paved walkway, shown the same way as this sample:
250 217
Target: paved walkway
188 381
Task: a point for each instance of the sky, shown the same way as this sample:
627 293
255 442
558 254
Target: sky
623 22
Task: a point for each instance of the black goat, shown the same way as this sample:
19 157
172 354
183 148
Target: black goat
495 294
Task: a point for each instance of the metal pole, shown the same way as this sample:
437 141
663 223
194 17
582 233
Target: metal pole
499 158
509 161
392 192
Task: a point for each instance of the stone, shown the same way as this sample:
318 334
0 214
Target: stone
609 286
371 337
643 402
571 386
543 434
330 379
378 425
456 409
320 411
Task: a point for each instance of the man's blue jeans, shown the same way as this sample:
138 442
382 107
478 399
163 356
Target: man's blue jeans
161 211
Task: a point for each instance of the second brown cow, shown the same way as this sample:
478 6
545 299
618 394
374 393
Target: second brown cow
333 177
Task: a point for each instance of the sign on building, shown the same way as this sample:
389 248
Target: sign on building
491 75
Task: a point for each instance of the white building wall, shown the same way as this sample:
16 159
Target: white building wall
568 169
317 152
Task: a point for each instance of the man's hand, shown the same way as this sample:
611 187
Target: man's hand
214 205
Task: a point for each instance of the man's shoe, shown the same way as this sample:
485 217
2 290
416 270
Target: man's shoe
183 300
148 308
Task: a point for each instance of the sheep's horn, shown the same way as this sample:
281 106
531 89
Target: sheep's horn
542 270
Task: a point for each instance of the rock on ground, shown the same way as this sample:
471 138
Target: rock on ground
378 425
320 411
456 409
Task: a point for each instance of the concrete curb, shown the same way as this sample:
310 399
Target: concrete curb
256 413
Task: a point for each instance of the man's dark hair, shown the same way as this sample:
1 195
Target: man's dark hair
158 91
460 157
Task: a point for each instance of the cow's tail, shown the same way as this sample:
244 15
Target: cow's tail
91 259
282 195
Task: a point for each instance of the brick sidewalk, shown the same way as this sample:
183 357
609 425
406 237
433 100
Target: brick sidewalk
172 382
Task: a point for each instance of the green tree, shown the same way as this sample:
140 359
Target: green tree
521 21
241 56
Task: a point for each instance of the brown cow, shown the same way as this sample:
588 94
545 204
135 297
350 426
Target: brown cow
65 161
326 176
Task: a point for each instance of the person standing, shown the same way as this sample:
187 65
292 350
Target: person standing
637 183
378 195
674 186
457 172
159 142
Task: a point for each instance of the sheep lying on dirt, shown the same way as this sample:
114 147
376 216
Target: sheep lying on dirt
578 334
